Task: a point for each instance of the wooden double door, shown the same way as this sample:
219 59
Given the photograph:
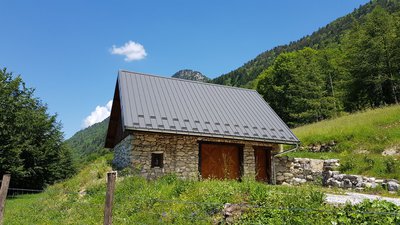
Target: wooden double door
263 164
220 161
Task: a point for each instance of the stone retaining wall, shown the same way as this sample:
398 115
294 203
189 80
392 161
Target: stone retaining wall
296 171
300 170
335 179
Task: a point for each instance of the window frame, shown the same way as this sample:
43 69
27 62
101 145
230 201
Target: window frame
157 160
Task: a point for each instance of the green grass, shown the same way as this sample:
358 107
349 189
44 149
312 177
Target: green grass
372 130
361 138
170 200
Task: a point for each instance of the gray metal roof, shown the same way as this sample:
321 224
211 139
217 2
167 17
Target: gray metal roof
160 104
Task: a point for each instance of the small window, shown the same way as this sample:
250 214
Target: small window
157 160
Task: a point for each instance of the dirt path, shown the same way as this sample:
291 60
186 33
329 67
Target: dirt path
355 198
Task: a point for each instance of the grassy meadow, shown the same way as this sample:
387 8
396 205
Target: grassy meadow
170 200
361 138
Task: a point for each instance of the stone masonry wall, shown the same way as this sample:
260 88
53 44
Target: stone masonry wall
297 170
122 153
332 178
180 153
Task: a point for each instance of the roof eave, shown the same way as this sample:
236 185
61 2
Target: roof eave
275 141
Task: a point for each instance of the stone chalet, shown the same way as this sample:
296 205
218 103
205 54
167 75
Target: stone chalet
162 125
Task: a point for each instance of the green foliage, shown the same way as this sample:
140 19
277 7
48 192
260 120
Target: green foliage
300 86
30 139
391 166
362 71
88 144
369 212
371 56
329 35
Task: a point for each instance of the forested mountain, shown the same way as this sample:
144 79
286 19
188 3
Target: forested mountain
88 143
190 75
326 36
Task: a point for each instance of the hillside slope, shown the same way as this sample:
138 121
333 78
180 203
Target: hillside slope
88 144
360 141
330 34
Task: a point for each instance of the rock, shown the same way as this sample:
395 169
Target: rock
310 177
316 165
338 177
231 212
379 181
367 185
298 181
335 183
347 183
393 180
289 175
280 178
331 161
392 186
359 189
394 151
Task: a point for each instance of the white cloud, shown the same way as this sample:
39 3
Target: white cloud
131 50
98 115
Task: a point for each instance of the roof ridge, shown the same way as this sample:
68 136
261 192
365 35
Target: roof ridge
185 80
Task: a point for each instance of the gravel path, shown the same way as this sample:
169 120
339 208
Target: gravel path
355 198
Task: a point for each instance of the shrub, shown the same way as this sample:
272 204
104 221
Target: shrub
390 165
369 162
347 165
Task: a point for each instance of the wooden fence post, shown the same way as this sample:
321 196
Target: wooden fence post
111 176
3 194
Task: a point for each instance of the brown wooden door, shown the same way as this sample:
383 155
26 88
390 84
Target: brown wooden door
220 161
263 164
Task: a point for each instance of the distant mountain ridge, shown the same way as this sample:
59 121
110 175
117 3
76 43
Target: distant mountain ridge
245 75
191 75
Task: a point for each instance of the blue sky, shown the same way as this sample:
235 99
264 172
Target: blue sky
63 48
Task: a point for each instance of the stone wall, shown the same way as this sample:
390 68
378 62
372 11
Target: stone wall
122 153
358 182
298 170
180 153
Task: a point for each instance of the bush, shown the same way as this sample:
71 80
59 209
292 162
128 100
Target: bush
347 165
390 165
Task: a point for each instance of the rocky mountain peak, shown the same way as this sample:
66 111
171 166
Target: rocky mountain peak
190 75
